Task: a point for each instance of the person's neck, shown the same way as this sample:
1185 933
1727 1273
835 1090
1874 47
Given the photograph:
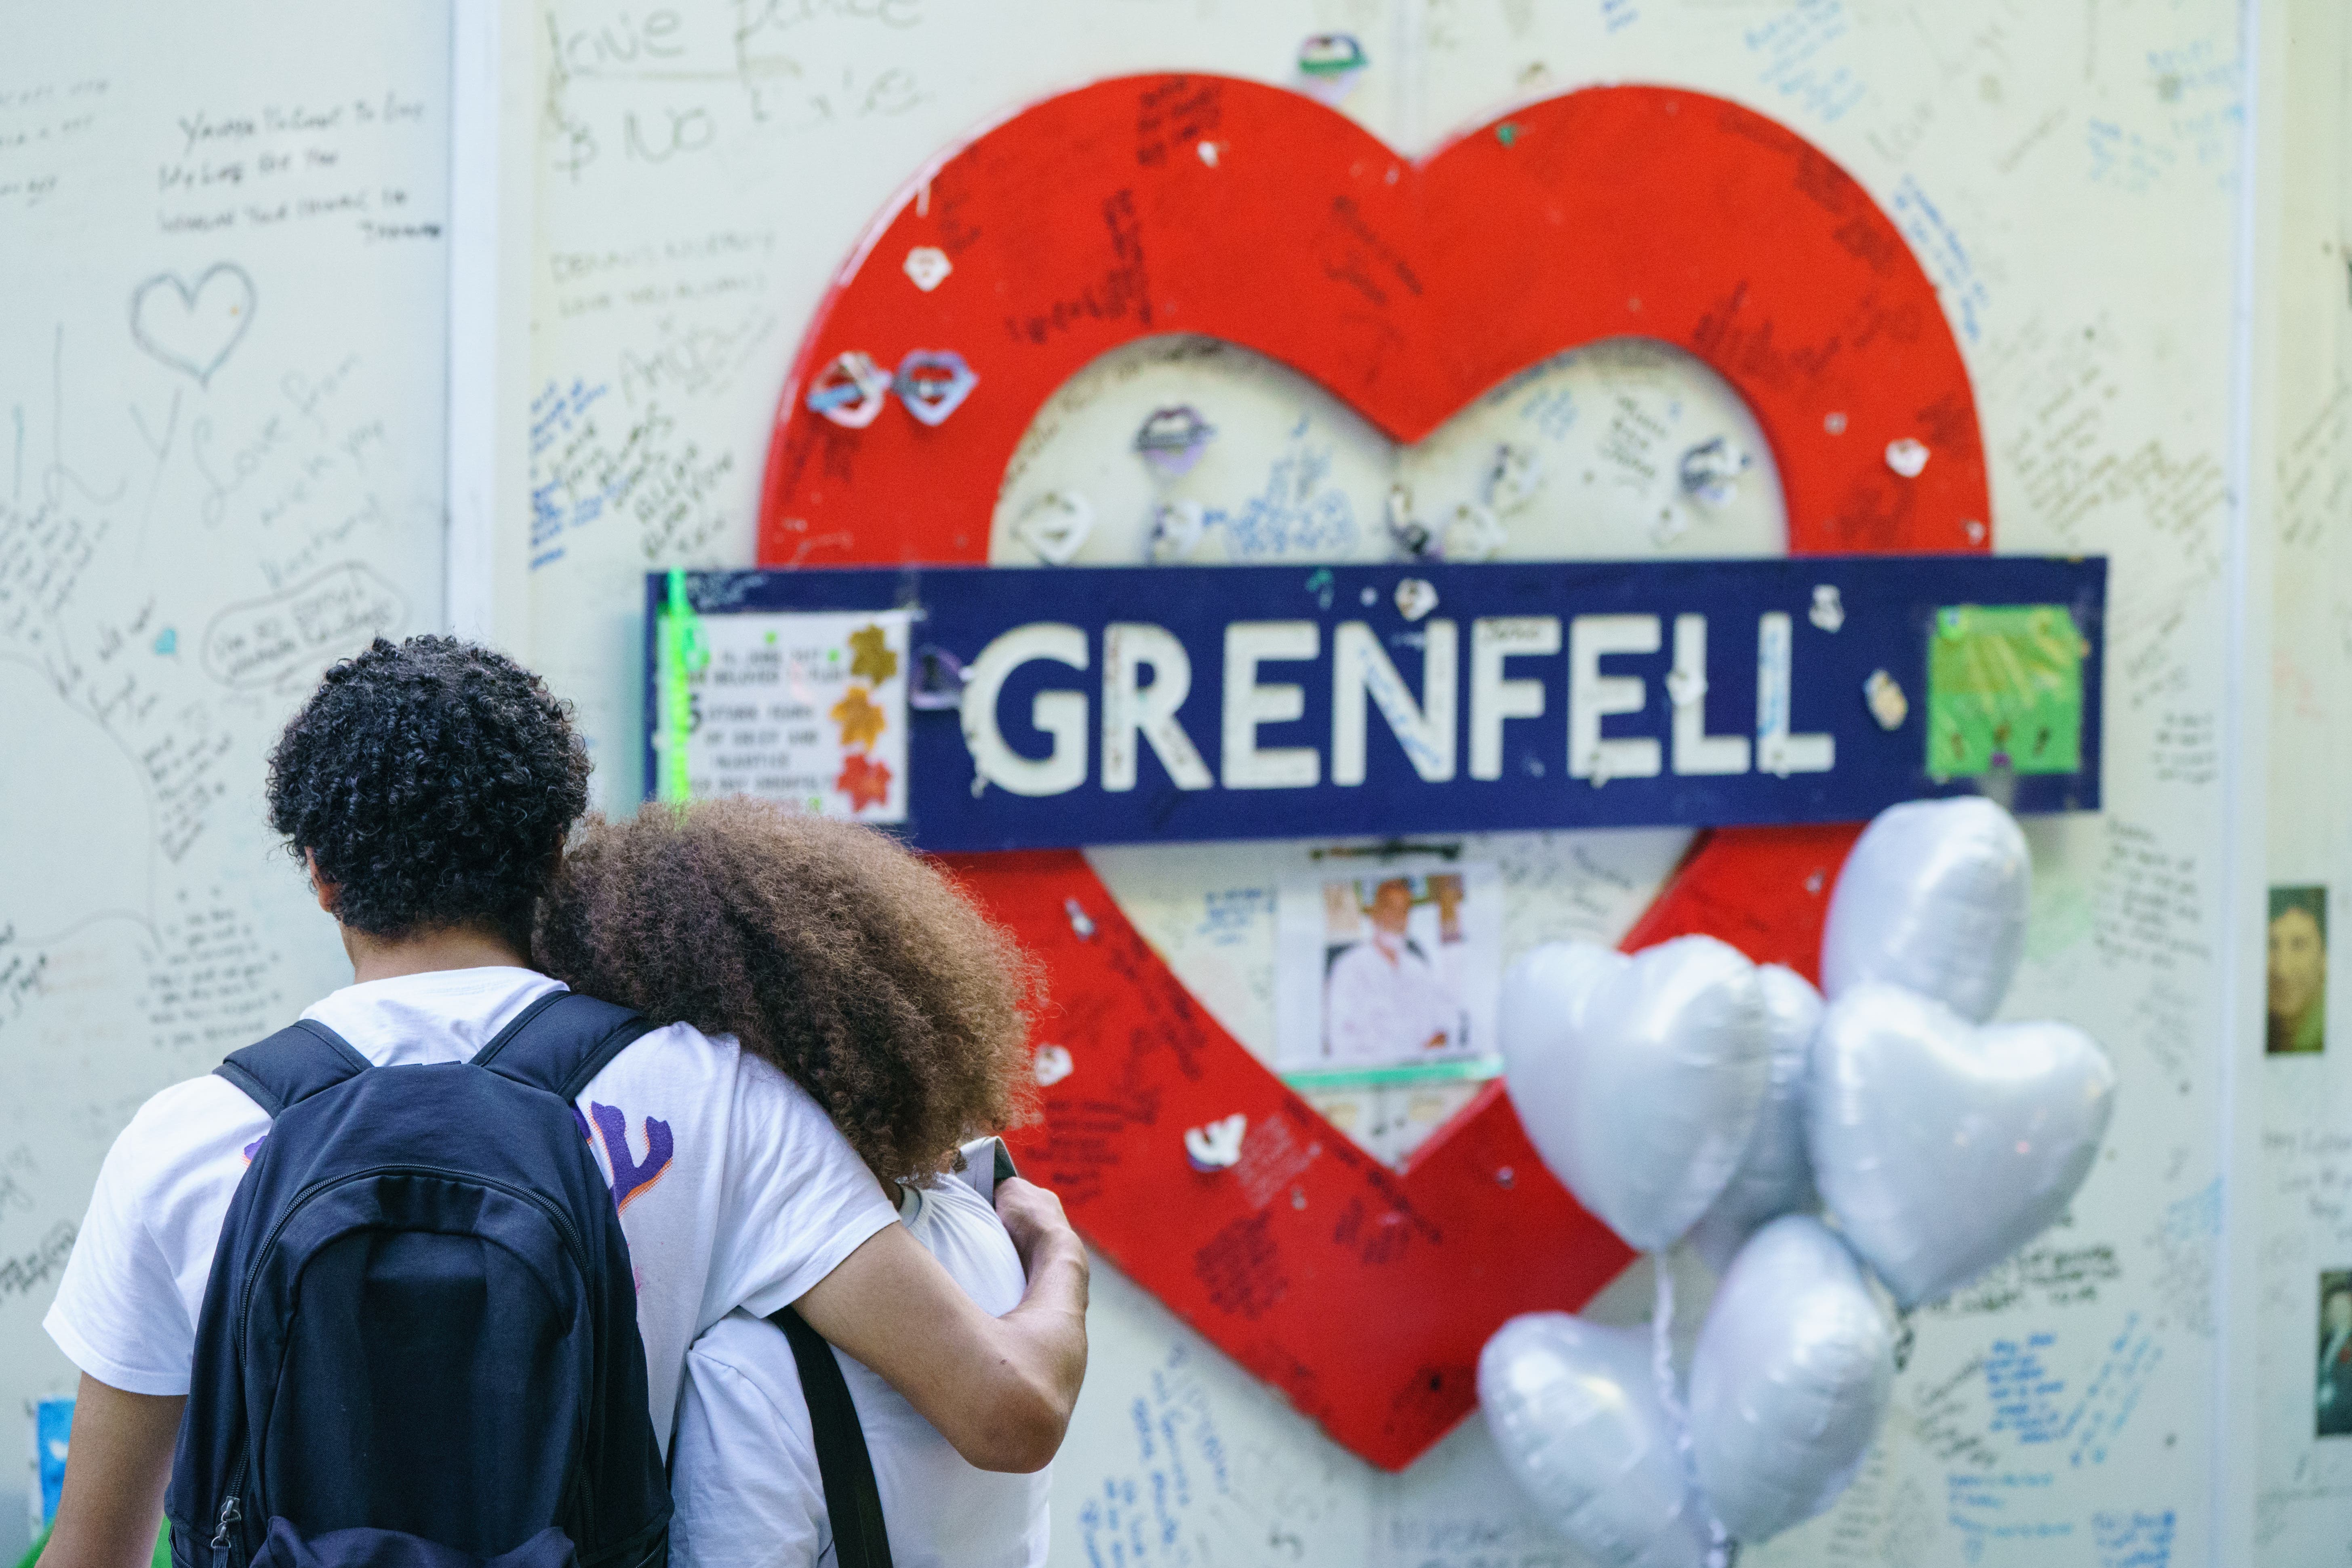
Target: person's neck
423 951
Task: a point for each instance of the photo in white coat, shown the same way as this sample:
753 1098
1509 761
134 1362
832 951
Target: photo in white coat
1392 965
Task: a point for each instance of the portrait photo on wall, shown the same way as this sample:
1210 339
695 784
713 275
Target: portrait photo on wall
2297 1023
1391 970
2332 1411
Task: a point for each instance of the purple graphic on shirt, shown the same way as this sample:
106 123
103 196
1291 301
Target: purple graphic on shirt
631 1177
257 1143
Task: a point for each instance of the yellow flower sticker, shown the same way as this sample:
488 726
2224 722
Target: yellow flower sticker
861 722
874 660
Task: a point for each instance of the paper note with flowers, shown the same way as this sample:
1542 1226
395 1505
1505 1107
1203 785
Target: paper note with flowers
806 708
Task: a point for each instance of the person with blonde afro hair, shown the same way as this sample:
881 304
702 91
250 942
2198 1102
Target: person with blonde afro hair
863 974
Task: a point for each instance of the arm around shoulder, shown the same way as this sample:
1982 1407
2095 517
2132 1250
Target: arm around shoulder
1000 1390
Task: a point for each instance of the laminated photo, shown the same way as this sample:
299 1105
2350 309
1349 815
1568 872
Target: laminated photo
1389 970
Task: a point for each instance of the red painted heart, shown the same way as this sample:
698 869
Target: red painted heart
1246 213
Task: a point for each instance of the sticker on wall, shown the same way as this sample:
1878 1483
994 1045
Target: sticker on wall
2004 689
1177 529
1388 973
806 707
1472 533
933 383
850 391
928 266
1173 440
1328 66
1055 525
1514 477
1711 470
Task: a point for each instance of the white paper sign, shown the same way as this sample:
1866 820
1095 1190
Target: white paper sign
806 707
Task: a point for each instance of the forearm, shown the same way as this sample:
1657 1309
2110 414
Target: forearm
115 1473
1051 1322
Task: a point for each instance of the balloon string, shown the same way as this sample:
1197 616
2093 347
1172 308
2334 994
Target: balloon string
1722 1552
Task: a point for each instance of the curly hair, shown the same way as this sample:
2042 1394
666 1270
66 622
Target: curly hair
857 968
434 781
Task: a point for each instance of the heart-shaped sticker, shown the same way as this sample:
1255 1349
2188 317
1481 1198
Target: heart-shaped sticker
194 329
1942 1145
933 383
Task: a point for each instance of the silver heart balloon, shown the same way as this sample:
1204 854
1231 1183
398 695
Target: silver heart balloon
1789 1381
1933 898
1577 1421
1942 1146
1774 1176
1638 1080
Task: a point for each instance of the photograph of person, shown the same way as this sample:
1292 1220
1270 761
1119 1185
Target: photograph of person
2332 1405
2298 971
1388 997
1388 968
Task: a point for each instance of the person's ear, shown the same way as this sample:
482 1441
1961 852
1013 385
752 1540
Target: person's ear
328 893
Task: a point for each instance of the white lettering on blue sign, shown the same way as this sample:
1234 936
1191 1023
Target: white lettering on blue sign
1139 713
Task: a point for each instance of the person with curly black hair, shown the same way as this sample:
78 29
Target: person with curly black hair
431 783
427 787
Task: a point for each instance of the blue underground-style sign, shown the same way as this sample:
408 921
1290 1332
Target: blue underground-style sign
1063 706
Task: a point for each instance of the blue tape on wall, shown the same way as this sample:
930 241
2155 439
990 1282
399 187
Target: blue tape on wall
1565 695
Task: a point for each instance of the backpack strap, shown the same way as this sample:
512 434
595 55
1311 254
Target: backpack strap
562 1041
292 1064
851 1501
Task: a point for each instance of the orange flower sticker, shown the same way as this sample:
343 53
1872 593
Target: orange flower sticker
864 781
873 660
861 722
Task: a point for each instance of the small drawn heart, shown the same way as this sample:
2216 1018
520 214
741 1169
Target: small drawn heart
192 329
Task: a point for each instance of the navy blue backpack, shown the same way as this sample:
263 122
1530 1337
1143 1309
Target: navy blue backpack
419 1342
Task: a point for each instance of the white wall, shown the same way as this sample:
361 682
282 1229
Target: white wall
182 553
2304 487
2070 177
666 190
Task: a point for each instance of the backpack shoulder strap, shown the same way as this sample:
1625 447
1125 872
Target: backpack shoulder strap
562 1041
292 1064
851 1501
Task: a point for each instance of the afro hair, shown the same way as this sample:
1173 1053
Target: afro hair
435 781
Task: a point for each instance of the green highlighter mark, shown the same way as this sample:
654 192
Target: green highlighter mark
2004 688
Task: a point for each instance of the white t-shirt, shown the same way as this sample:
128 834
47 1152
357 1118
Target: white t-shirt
745 1479
735 1189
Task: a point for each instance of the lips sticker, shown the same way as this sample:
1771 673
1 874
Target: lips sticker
1409 289
850 391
